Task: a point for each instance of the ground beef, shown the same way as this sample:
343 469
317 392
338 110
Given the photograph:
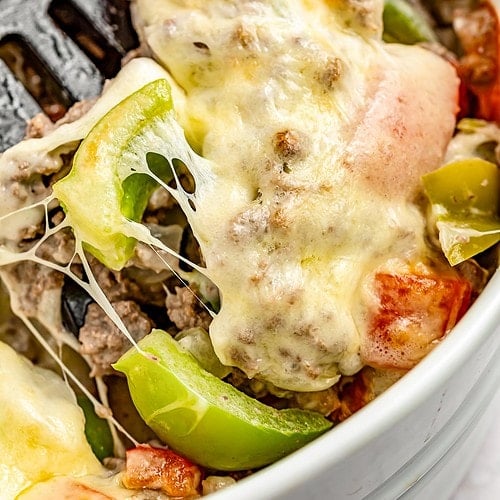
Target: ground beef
474 274
76 111
114 285
159 208
103 342
29 233
353 393
120 285
476 31
58 248
39 126
33 282
287 143
185 310
324 402
14 333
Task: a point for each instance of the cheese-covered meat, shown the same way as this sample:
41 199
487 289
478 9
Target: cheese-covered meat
318 133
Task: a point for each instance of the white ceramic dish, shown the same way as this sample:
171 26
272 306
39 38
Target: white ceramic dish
417 440
482 480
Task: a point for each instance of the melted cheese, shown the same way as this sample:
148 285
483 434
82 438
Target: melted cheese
318 134
43 449
41 427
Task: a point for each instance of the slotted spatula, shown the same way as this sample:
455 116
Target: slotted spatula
54 53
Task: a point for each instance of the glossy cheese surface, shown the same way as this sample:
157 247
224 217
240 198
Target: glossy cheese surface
41 427
318 134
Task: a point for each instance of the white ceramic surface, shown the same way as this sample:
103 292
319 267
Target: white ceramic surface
482 481
415 441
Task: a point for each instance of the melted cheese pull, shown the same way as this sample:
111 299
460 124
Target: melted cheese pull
45 154
318 134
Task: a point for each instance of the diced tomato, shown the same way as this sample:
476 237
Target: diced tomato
414 312
161 469
479 69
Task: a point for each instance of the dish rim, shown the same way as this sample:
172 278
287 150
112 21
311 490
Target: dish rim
396 403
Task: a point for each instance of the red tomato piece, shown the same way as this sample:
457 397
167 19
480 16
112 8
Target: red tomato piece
161 469
414 312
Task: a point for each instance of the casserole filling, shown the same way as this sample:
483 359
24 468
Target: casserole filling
256 193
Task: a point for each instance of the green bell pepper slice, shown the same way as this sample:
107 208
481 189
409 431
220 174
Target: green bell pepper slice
97 430
205 419
464 198
105 188
404 24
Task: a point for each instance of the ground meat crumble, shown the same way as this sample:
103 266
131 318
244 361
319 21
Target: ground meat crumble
185 310
101 339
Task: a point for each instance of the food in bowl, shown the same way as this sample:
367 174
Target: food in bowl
262 225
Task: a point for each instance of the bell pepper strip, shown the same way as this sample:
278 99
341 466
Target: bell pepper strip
161 469
414 312
465 201
405 24
97 430
205 419
138 187
104 191
478 30
480 132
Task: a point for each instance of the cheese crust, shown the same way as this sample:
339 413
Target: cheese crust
318 134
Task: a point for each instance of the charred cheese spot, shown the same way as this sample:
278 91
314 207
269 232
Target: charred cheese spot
331 73
288 143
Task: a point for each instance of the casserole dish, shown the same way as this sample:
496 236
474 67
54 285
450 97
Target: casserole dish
415 440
